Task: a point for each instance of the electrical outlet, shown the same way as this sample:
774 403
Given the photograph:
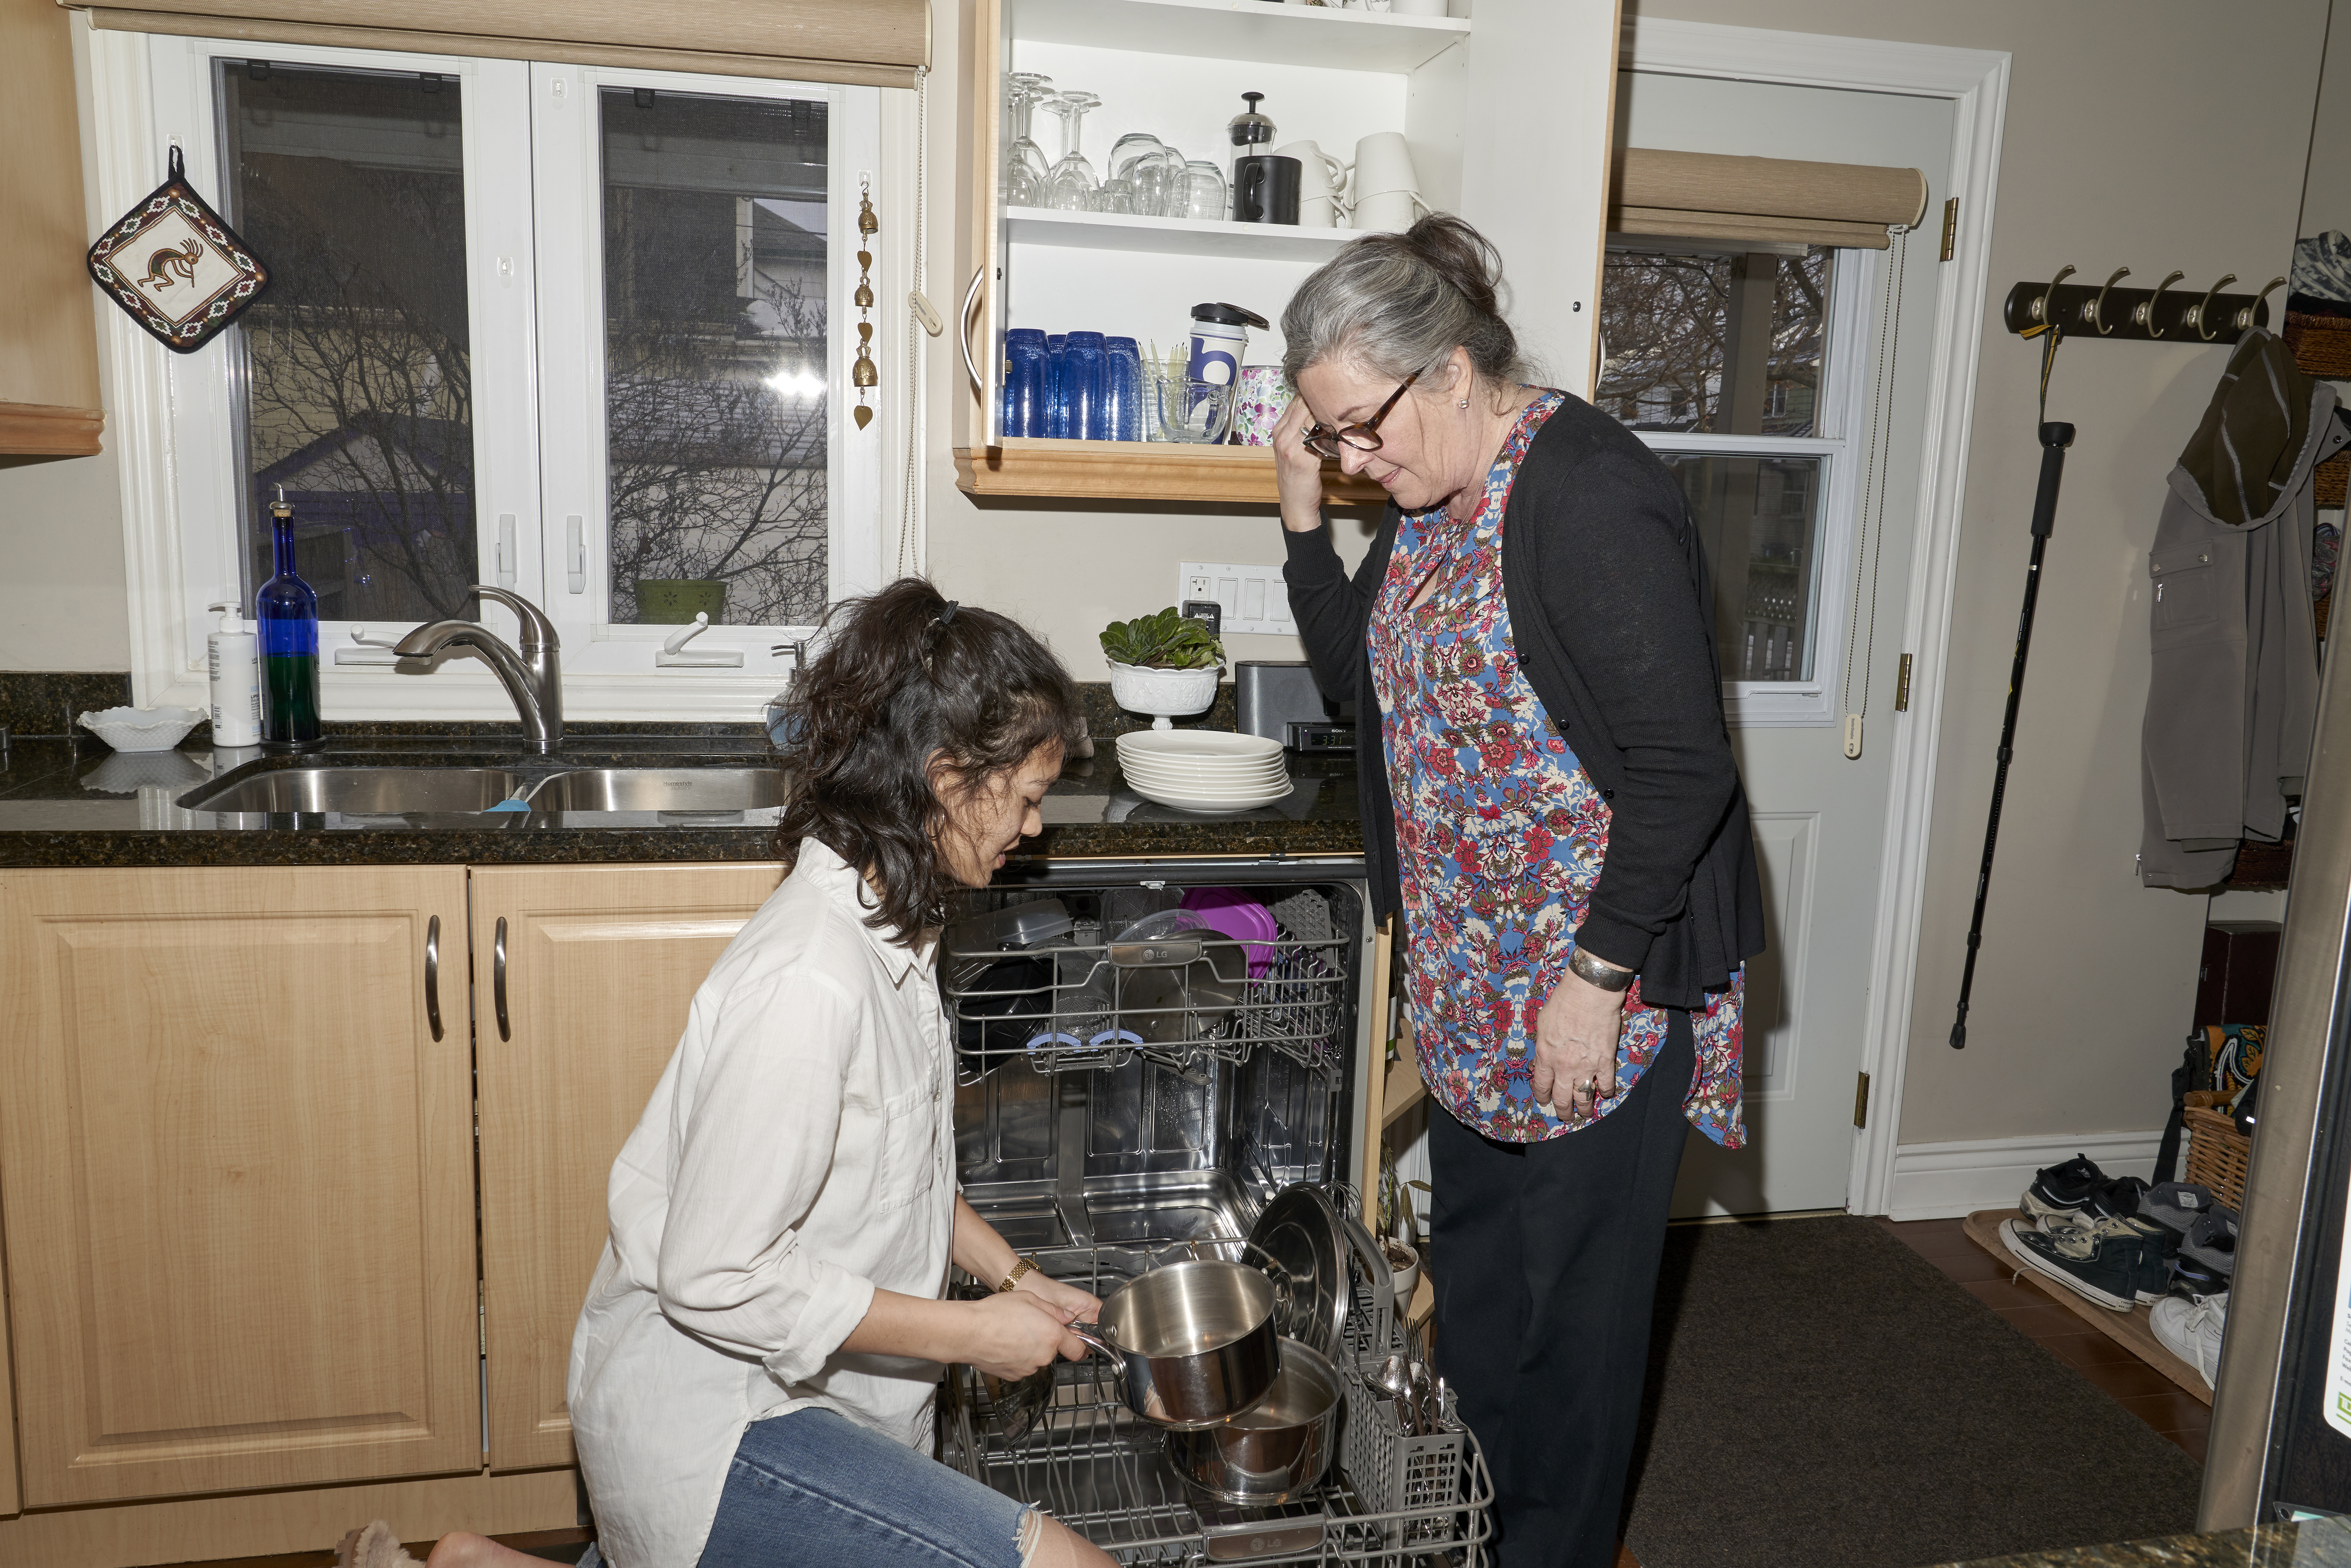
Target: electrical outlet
1252 597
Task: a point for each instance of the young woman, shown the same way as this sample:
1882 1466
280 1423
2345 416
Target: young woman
752 1376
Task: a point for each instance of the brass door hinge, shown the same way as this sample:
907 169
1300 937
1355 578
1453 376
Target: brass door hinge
1950 227
1902 686
1861 1099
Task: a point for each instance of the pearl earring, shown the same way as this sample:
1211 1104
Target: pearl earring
1465 403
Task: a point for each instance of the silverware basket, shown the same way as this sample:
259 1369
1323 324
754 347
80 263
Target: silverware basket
1098 1469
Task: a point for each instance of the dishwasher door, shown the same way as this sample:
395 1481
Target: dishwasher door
1137 1094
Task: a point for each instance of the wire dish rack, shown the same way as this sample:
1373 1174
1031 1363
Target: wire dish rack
1178 1000
1392 1501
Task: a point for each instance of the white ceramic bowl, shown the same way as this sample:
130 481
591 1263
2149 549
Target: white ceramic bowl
142 728
1139 689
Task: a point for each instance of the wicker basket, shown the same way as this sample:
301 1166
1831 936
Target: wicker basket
2217 1152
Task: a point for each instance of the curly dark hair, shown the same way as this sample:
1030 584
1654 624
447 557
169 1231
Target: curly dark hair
907 676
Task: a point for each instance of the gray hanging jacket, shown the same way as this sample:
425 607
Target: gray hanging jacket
2234 688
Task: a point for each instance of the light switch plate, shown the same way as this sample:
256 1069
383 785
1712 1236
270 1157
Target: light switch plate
1253 598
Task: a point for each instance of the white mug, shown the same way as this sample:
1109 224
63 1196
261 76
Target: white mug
1319 174
1383 163
1390 212
1420 8
1322 212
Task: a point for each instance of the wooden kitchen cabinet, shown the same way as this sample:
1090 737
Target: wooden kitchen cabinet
584 975
238 1195
48 333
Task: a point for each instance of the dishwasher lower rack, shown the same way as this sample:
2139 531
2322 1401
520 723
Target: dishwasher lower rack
1103 1471
1090 1004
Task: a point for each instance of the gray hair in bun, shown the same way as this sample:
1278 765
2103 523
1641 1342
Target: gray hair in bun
1399 303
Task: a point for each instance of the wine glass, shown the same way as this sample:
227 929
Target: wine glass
1073 181
1026 172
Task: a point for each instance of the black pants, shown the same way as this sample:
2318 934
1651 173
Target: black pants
1545 1257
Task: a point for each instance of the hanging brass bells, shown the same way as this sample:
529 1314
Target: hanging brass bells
863 372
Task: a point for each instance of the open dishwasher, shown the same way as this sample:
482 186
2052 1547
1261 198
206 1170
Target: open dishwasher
1147 1053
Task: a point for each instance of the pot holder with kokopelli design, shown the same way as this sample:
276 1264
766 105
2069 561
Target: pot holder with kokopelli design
176 266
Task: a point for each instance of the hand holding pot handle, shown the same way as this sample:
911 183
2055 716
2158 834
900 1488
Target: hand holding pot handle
1012 1333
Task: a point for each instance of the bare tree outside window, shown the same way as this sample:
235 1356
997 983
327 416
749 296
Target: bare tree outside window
1701 343
716 244
357 387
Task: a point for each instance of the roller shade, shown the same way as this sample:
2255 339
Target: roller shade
875 43
1709 195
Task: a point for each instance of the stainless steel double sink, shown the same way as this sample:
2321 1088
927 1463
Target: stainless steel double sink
425 789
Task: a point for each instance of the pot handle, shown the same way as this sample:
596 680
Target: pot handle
1091 1335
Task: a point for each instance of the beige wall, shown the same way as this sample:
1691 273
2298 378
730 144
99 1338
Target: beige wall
2119 149
2326 192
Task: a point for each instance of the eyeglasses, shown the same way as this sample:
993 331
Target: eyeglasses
1324 441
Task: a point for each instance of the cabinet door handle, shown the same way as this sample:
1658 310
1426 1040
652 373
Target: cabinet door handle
498 976
963 325
432 975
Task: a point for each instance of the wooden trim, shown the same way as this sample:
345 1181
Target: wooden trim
487 46
1139 471
805 34
1676 224
41 430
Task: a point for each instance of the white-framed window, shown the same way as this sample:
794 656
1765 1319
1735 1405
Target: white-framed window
1740 368
582 333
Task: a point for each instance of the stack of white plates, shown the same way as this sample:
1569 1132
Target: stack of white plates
1203 769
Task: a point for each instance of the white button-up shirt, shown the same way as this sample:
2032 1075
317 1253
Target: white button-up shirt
797 1154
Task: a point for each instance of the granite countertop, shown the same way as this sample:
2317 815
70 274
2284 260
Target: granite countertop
66 803
2312 1543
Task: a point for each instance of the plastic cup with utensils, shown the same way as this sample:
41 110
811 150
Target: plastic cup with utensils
1383 163
1391 212
1192 410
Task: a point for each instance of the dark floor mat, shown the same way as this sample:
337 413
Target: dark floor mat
1819 1393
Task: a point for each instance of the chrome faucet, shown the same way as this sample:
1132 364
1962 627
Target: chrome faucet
531 674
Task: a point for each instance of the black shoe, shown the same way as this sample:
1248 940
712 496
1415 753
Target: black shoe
2194 1276
2063 1190
2211 1242
2105 1268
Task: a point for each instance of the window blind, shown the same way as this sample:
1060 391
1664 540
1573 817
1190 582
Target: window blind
874 43
1713 196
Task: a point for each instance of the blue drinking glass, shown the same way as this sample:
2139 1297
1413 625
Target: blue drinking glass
1085 378
1024 382
1123 388
1057 402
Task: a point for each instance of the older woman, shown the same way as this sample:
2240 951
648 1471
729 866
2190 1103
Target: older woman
1550 799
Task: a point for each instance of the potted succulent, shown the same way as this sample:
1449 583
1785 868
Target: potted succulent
1162 664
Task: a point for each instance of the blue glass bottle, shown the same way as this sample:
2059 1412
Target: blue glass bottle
1123 388
286 613
1024 382
1085 375
1057 406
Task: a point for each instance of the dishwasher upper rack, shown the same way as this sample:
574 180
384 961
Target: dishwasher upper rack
1176 1000
1101 1471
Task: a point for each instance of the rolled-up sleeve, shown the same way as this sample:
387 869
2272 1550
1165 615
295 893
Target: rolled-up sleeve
756 1149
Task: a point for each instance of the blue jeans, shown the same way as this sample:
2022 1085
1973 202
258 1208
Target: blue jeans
814 1487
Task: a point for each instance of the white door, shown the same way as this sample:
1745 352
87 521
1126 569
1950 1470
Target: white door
1810 538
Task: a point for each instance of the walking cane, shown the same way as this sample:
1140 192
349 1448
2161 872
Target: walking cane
2055 438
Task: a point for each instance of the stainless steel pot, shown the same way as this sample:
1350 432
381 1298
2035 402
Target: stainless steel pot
1281 1448
1194 1342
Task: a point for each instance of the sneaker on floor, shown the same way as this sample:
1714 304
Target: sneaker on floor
2190 1327
2194 1278
2212 1240
2175 1205
2063 1188
2106 1269
2113 1207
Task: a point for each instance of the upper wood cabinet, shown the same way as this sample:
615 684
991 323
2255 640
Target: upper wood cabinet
584 976
239 1202
49 334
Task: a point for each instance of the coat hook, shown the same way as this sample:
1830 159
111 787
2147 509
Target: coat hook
2144 315
2196 317
2045 309
2099 304
2245 317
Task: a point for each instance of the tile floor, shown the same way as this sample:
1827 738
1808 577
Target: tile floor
2137 1387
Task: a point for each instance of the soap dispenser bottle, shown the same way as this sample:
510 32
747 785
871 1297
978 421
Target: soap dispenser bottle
233 661
288 611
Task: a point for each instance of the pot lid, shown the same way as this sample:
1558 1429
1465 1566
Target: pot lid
1249 127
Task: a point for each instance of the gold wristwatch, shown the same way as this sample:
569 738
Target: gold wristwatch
1024 1266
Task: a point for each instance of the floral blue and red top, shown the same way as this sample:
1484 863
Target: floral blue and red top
1500 835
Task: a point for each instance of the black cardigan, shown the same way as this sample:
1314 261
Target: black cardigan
1606 587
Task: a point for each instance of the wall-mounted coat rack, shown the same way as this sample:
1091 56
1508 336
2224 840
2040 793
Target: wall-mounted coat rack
2088 312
